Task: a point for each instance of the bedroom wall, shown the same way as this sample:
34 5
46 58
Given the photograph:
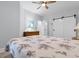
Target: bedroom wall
9 21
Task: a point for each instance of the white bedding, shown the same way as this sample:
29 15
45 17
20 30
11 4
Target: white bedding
43 47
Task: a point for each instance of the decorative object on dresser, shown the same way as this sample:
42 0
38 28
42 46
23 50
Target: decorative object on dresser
30 33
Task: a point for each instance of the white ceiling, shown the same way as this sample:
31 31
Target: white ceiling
58 7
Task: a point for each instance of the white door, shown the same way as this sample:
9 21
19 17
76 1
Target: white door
58 28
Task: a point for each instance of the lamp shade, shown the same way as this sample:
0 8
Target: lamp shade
77 27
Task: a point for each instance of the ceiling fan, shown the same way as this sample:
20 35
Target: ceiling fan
44 3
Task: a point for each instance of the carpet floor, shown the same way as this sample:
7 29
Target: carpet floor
5 55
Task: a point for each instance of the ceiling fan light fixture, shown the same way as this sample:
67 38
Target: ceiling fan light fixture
43 4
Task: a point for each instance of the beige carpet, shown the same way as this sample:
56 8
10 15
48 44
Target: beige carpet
5 55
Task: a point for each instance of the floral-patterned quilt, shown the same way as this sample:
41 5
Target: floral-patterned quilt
43 47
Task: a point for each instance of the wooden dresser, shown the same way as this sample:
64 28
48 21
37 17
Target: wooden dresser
30 33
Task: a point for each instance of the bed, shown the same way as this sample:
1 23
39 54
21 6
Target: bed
42 47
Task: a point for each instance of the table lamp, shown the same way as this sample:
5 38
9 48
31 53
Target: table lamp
77 31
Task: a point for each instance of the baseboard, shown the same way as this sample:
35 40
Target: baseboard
2 50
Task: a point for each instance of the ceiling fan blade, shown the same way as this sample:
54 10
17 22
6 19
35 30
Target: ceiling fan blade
36 2
49 2
46 6
38 7
40 2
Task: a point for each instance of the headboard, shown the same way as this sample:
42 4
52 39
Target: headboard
31 33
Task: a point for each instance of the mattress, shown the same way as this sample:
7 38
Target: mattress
43 47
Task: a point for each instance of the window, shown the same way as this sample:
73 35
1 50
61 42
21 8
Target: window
30 25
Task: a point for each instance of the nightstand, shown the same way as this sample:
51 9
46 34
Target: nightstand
75 38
